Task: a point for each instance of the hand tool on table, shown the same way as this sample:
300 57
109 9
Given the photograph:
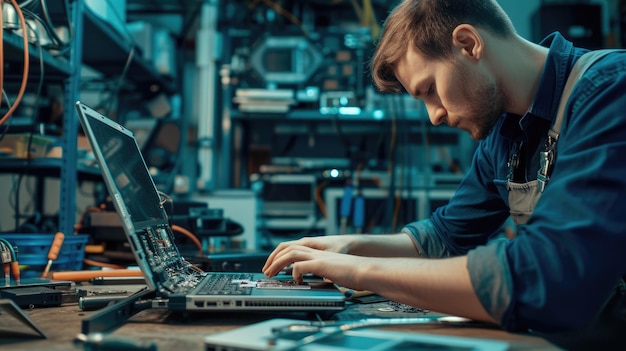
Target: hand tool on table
57 242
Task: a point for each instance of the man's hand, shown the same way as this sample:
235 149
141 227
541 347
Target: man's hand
322 255
280 255
441 285
339 268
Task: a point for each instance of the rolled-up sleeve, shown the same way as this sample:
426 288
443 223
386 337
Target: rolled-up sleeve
487 266
426 240
491 279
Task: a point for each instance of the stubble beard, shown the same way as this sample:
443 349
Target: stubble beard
486 104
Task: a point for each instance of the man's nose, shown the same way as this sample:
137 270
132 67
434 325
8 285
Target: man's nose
436 114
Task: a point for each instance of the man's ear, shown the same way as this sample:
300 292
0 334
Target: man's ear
467 39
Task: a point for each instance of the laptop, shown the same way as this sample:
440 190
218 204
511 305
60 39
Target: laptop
291 334
146 226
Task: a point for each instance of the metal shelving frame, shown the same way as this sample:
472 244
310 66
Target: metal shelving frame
67 201
97 45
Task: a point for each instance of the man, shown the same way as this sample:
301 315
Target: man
473 71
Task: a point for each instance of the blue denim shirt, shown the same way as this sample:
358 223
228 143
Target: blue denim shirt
565 261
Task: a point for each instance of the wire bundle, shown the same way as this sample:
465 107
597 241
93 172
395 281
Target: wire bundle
9 261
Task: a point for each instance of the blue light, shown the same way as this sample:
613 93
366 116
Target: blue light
378 114
350 111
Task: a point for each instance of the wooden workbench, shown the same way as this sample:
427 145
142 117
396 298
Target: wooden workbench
173 331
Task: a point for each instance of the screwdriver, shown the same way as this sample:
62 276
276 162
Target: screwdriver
54 252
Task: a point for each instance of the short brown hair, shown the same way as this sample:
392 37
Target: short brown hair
428 26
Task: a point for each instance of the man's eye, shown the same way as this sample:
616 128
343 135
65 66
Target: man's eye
431 90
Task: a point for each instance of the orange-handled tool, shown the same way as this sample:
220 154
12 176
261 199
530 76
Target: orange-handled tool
81 276
54 252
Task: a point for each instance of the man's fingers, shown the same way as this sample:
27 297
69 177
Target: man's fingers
276 253
286 257
272 255
281 259
300 269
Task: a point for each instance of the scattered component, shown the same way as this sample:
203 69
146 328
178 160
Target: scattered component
33 296
114 315
92 303
41 295
104 342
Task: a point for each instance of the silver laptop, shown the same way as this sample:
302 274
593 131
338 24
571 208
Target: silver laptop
145 222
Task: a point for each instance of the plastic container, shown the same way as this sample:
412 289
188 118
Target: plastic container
32 252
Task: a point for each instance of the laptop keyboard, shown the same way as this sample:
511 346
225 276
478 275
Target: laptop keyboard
225 284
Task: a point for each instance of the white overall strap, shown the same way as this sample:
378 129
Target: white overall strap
583 63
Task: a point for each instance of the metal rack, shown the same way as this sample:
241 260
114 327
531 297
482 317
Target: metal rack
97 45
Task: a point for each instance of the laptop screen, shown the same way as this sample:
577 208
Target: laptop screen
128 170
138 203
